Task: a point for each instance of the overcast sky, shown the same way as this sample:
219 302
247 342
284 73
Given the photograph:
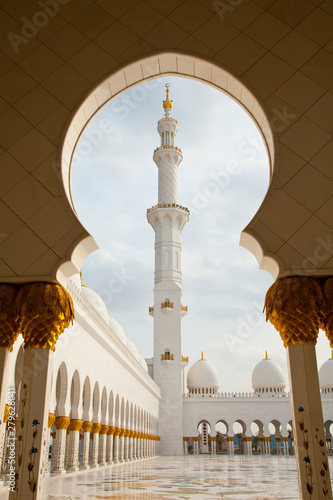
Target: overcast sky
222 180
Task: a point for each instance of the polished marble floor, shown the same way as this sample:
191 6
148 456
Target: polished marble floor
182 478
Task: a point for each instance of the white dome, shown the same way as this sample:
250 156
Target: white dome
133 350
97 303
268 374
143 363
326 375
76 280
117 329
202 374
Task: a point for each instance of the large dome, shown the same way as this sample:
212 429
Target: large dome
96 302
326 376
202 378
117 329
268 376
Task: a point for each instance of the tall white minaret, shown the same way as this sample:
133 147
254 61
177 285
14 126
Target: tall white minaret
168 219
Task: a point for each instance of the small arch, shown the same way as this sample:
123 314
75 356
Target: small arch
75 391
96 401
61 389
86 396
104 404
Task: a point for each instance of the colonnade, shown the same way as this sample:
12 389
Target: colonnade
79 445
282 446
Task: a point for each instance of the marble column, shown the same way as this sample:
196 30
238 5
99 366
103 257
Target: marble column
230 445
135 445
102 445
96 430
309 433
122 445
59 444
86 426
5 357
51 421
278 446
127 445
285 445
67 447
298 307
185 445
131 446
196 445
75 427
116 445
109 445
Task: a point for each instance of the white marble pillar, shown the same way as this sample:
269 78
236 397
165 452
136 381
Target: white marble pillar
96 430
33 415
230 445
135 445
308 426
131 446
68 439
126 445
285 445
5 358
59 444
109 445
75 427
102 445
87 426
116 445
51 421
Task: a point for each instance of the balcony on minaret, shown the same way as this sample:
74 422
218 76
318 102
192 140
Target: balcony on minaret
167 306
184 310
167 357
151 311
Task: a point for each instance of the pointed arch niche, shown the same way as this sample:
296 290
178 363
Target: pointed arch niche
166 64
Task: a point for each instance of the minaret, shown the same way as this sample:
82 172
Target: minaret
168 219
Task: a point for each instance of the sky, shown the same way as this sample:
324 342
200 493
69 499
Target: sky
222 179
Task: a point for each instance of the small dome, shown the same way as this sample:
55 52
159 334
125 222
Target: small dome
143 363
326 375
267 374
76 280
133 350
203 375
95 300
117 329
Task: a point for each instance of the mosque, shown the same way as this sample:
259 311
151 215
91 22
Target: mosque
118 406
61 62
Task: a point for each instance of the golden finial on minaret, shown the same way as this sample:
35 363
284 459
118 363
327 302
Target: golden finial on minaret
266 355
202 357
167 103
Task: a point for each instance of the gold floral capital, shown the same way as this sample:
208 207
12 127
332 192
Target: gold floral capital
230 439
104 429
111 431
195 439
185 438
117 431
122 433
96 428
87 426
128 433
8 316
51 420
75 425
62 423
44 311
299 306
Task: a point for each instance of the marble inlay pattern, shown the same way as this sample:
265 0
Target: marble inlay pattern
182 478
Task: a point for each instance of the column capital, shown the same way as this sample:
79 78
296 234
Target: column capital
87 426
62 423
117 431
9 317
298 306
229 438
111 431
96 428
75 425
51 420
104 429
